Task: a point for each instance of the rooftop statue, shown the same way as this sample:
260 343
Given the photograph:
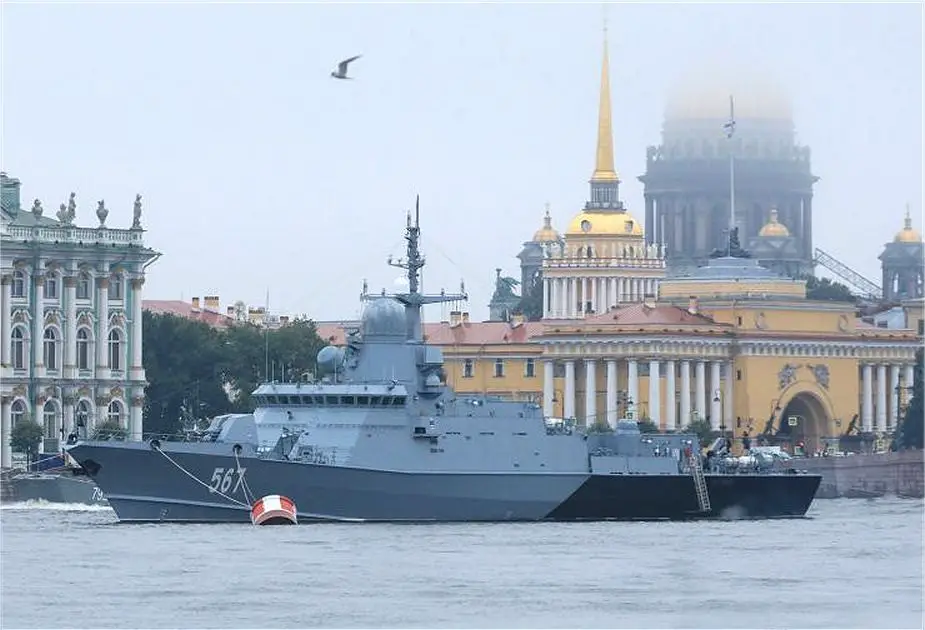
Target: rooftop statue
734 249
136 219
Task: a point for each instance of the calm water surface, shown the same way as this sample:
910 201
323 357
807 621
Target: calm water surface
853 564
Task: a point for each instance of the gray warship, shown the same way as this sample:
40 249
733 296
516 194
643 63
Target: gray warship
61 482
380 436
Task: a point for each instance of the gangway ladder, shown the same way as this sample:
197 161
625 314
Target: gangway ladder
700 482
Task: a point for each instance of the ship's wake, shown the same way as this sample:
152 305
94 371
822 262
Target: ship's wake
40 504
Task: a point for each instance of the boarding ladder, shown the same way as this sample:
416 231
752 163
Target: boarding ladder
700 482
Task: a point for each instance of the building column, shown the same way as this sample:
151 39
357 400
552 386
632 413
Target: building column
728 402
569 403
548 388
38 327
572 297
894 396
6 428
6 316
136 430
881 397
700 393
632 385
655 393
547 297
671 422
685 418
67 414
614 292
867 399
70 328
716 408
808 227
590 392
102 329
136 365
562 295
612 393
651 234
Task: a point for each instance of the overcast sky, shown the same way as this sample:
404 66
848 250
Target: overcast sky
260 172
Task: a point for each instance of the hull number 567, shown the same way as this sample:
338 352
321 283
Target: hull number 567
225 479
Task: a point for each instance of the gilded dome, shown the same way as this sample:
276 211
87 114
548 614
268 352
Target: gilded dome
546 234
773 227
604 223
908 234
708 98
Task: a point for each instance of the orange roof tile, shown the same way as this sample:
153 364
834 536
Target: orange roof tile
659 315
181 308
443 334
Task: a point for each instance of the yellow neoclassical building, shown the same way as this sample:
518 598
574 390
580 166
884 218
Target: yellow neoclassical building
730 342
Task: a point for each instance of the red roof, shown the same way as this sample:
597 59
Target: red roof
443 334
659 315
181 308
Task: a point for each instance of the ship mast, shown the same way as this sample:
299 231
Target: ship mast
413 263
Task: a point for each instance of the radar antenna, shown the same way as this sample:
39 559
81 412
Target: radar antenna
413 263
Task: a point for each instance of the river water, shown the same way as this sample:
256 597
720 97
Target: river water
851 564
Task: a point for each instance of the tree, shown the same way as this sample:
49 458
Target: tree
531 304
825 289
26 437
184 361
911 430
702 429
110 430
647 426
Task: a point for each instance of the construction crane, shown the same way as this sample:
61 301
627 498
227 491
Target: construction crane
864 287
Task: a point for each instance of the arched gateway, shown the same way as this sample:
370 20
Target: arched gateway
804 420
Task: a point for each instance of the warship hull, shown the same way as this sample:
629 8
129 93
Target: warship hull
54 488
143 485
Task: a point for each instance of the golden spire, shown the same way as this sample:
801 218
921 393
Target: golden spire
603 166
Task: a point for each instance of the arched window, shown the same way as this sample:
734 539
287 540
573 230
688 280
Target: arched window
115 350
19 284
50 417
115 412
84 285
17 412
115 287
83 349
82 414
51 349
51 285
19 348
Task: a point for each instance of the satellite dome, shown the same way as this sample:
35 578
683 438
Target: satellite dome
384 317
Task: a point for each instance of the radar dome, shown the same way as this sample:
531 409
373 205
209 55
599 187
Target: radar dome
384 317
330 359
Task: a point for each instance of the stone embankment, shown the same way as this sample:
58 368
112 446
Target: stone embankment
864 476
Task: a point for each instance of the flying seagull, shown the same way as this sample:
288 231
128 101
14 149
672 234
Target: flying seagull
341 72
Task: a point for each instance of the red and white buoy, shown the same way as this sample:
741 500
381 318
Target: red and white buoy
274 509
